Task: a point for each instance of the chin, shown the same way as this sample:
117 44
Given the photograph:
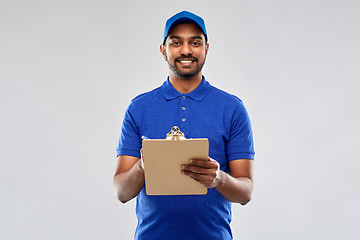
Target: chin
187 75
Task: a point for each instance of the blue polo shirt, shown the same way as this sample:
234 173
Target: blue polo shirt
206 112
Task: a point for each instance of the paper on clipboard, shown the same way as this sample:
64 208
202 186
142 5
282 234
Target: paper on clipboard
162 161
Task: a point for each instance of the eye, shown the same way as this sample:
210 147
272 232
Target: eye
196 43
175 43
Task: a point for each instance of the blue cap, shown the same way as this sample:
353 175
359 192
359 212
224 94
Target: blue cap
183 17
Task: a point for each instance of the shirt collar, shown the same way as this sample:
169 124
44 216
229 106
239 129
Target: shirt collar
197 94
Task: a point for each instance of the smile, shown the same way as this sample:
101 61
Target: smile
187 62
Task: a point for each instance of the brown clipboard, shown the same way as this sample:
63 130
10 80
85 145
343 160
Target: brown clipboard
162 164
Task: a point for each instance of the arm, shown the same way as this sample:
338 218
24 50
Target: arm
236 187
129 178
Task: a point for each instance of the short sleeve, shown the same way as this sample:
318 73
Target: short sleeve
240 144
130 140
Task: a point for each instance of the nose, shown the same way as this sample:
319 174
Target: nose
186 49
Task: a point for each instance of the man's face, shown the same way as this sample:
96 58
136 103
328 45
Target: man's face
185 50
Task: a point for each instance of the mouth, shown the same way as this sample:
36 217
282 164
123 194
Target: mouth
186 62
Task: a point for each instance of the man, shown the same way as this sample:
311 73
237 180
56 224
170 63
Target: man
200 110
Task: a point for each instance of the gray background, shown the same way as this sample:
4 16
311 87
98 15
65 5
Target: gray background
68 70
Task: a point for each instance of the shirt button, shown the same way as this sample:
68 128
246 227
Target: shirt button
183 97
183 108
183 119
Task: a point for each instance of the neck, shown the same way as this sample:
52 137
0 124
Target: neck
185 85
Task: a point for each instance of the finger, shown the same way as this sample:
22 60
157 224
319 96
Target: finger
142 159
199 170
204 163
206 182
200 177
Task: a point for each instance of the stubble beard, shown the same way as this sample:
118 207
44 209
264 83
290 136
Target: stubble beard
189 75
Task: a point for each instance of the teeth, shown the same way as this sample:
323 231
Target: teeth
186 61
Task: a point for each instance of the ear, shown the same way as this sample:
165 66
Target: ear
163 51
206 48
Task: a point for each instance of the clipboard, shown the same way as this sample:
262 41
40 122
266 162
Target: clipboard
162 161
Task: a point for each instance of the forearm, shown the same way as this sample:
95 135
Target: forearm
237 190
128 184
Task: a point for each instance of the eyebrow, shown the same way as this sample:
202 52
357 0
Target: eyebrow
177 37
196 37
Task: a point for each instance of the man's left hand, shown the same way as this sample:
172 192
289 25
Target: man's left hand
206 172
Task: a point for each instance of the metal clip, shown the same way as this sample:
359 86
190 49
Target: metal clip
175 134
